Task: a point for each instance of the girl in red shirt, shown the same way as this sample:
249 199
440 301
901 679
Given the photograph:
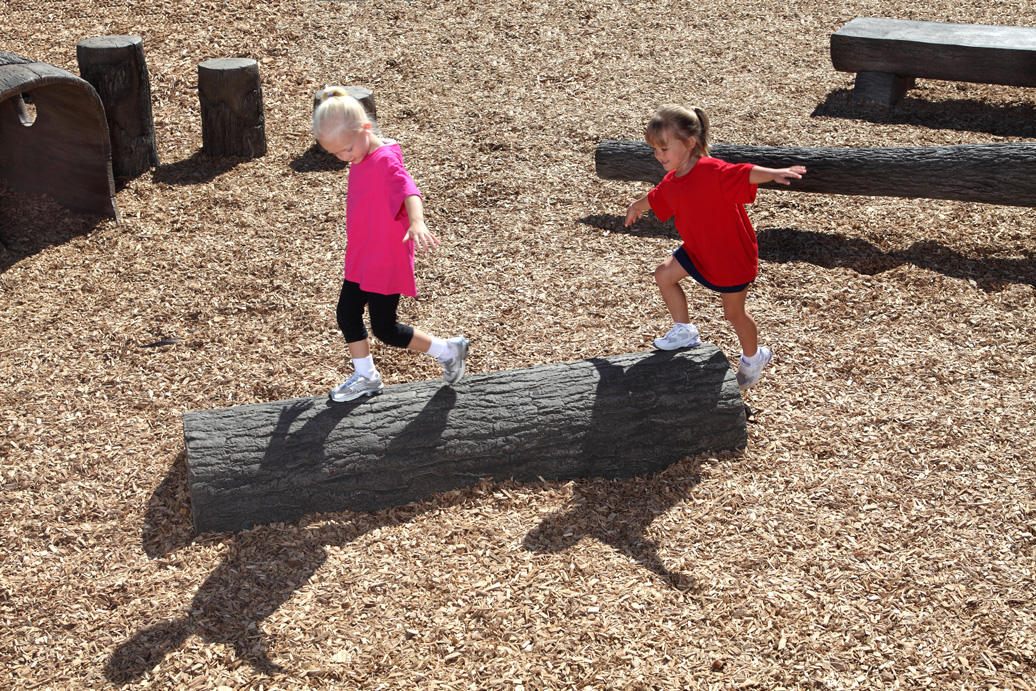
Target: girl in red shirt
719 250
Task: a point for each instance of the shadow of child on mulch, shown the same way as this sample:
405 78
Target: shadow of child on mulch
619 513
260 571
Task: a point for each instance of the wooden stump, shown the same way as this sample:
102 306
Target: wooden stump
616 417
988 173
232 119
115 67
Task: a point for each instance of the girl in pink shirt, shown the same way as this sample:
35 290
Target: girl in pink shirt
719 250
384 221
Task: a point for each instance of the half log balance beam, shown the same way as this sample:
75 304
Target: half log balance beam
616 417
989 173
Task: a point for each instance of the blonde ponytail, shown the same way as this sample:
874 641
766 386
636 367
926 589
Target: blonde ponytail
337 111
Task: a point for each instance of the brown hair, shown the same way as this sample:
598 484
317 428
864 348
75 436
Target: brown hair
683 123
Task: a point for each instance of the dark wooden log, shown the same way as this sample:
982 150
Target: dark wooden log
937 50
232 118
115 67
613 417
64 152
989 173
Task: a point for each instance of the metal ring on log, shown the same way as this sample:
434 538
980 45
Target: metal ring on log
65 152
617 417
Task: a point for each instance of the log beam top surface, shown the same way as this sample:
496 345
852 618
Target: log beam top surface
617 416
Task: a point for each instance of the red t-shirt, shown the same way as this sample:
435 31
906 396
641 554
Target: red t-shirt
710 216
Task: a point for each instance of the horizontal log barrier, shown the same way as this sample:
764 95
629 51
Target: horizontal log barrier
617 417
1002 174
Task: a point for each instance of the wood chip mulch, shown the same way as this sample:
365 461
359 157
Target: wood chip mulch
878 531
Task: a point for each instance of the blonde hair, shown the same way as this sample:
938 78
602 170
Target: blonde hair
337 111
682 123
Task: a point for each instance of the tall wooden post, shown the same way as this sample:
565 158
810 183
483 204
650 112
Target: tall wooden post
115 67
232 120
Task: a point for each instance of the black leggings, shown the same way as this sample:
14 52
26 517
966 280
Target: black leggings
382 309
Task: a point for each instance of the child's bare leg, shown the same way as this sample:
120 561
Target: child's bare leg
359 349
421 342
668 275
744 326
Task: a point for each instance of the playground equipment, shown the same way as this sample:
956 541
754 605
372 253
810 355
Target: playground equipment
64 152
115 67
990 173
610 417
232 118
888 54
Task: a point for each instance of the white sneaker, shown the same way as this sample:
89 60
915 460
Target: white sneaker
679 337
453 369
356 386
748 375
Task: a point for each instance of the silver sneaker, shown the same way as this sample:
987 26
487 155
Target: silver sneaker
356 386
748 375
453 369
679 337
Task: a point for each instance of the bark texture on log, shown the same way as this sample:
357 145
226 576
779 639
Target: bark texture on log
232 118
115 67
990 173
613 417
65 152
937 50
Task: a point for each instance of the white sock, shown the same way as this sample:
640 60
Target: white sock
754 360
365 366
440 349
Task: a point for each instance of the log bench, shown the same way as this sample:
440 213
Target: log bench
988 173
887 55
616 417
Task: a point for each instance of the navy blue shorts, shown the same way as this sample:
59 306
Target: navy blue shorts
692 271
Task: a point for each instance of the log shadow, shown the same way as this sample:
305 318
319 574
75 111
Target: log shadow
167 520
262 567
29 224
827 250
197 169
648 225
1016 120
315 160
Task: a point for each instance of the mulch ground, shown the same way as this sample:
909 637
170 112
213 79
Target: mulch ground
877 532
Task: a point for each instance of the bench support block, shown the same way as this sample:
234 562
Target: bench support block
880 87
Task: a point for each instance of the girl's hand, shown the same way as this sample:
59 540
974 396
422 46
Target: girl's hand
786 175
422 237
633 215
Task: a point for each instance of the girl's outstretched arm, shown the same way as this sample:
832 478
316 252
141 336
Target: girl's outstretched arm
781 175
636 209
418 231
